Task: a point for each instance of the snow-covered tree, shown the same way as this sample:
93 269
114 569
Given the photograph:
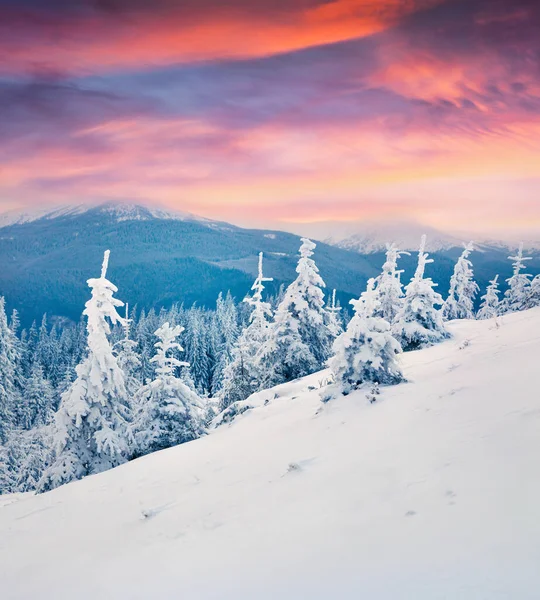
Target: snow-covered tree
37 404
170 413
301 340
23 459
490 306
366 350
515 297
335 325
419 323
226 330
197 350
9 394
463 289
533 296
243 374
128 358
389 287
90 426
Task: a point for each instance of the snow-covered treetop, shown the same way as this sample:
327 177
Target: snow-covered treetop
393 253
167 342
493 284
307 247
468 248
334 307
127 323
258 286
423 260
102 305
306 268
368 302
519 260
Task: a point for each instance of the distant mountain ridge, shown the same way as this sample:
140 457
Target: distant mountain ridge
159 257
372 235
122 211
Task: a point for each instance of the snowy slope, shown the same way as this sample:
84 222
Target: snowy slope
432 493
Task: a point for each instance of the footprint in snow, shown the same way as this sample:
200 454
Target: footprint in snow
149 513
296 467
450 495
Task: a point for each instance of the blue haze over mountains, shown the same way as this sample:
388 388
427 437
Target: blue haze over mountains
159 261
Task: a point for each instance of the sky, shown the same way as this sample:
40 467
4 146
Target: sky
276 111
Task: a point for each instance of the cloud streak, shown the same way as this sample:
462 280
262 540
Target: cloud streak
417 108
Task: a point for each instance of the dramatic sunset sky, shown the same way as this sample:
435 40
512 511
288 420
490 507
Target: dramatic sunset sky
260 111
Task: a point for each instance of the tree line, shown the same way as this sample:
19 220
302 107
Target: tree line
87 398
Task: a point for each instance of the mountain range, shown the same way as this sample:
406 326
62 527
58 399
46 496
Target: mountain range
159 257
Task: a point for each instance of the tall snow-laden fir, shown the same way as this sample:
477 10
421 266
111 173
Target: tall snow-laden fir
419 323
243 374
389 286
90 425
366 351
226 333
490 306
463 289
335 325
198 351
38 405
128 358
9 357
515 297
301 340
170 413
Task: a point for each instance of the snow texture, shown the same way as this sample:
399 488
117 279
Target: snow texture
430 493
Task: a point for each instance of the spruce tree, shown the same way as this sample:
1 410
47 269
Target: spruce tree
128 358
533 296
38 400
515 297
490 306
389 287
366 351
301 340
9 394
419 323
243 375
226 333
335 325
197 350
90 429
463 289
170 413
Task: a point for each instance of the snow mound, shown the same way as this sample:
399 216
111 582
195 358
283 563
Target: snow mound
430 493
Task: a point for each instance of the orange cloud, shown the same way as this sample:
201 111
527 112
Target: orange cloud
98 43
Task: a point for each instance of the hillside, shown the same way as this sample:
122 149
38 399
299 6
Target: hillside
160 257
430 493
156 259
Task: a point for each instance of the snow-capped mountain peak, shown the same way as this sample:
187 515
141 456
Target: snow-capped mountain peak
119 211
369 236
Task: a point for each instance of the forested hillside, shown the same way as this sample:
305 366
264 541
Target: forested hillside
161 261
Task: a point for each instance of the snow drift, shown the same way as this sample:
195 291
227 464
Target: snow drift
432 492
